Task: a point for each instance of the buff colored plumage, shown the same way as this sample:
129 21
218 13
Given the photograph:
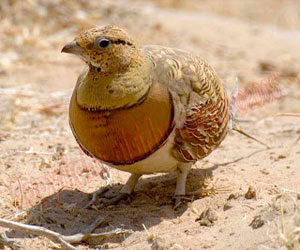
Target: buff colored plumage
145 109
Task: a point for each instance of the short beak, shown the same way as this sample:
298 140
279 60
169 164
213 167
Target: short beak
72 48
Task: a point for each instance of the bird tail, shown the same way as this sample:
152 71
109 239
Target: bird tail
232 112
232 107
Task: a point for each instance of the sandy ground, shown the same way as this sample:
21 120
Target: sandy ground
252 192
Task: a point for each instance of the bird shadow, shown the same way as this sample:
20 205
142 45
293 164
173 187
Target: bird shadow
65 211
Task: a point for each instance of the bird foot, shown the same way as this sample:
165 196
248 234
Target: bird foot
178 201
100 199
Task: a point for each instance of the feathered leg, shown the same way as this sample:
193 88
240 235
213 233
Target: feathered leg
182 172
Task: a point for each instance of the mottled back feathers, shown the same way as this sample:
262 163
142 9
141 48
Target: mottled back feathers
199 96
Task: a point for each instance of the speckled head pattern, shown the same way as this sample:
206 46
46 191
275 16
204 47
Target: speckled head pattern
106 49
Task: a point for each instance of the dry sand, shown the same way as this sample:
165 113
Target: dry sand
252 193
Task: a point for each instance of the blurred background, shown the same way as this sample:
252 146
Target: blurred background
30 29
247 39
250 39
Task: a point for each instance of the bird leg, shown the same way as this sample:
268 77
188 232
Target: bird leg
130 184
182 172
115 199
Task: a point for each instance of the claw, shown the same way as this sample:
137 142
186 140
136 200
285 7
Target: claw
124 194
177 202
115 199
100 202
95 198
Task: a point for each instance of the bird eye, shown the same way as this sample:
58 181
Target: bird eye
102 42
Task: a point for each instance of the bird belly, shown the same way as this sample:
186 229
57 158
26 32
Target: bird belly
161 161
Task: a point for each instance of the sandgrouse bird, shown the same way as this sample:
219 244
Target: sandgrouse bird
145 109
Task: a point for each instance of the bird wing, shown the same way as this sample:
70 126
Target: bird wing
199 97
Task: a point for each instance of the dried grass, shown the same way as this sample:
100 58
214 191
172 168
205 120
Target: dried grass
285 234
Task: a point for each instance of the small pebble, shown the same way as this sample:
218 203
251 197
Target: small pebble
251 193
257 222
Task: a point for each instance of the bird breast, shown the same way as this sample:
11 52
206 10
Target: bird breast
124 136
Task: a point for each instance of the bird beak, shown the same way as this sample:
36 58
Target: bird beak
72 48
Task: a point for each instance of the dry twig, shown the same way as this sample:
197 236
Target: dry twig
4 241
65 241
288 114
249 136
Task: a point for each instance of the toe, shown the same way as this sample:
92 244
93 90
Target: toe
177 202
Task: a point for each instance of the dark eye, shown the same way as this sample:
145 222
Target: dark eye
102 42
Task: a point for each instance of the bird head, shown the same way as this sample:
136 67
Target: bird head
105 49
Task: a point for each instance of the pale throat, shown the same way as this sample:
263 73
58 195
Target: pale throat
100 91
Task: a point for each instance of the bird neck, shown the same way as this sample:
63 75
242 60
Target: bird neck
102 91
